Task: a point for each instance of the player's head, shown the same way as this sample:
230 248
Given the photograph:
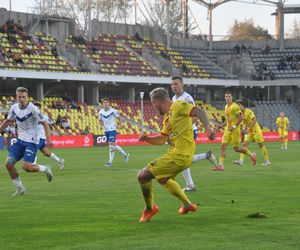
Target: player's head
105 102
37 104
228 97
177 85
241 104
281 114
160 100
22 96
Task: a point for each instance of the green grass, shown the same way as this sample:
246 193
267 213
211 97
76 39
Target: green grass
88 206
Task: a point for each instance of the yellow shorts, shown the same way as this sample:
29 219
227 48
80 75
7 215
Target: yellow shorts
233 137
282 133
255 135
169 165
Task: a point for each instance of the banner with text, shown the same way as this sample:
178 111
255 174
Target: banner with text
69 141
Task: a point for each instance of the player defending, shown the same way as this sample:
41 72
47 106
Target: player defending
27 117
177 128
42 141
177 88
253 133
232 133
282 124
107 117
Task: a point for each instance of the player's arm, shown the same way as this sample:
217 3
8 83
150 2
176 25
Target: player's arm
47 132
240 119
249 129
5 124
200 114
154 139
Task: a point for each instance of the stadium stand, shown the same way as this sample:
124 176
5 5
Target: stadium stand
112 57
268 111
20 50
206 62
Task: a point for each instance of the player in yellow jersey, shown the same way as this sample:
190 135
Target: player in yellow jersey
177 129
232 133
253 132
282 124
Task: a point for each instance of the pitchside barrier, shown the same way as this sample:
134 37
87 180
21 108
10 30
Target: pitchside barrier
79 141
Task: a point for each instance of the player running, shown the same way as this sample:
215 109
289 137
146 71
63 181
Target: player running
27 117
282 124
253 133
107 117
42 141
232 133
177 88
177 128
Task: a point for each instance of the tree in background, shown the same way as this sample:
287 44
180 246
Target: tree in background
247 30
103 10
294 31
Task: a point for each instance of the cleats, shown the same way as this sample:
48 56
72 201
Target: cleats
108 165
238 162
253 159
49 174
211 157
61 164
190 208
266 163
148 214
20 191
126 158
219 168
189 188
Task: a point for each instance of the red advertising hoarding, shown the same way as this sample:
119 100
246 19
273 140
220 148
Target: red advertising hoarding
72 141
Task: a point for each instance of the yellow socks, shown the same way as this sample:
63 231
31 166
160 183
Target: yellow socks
285 143
221 160
265 153
173 187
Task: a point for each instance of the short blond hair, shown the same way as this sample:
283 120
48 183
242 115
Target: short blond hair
159 94
22 90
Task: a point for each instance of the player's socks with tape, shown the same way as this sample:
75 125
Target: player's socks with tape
18 183
55 157
265 153
199 157
111 154
173 187
120 150
188 177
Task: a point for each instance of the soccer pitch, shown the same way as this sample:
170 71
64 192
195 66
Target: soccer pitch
88 206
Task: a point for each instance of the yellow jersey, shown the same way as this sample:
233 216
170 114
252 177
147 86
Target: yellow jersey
248 117
177 125
232 113
282 122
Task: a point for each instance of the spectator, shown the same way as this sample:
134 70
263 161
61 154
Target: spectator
282 65
86 131
165 55
138 38
58 121
185 69
267 50
243 48
237 49
54 51
294 66
65 123
17 58
263 66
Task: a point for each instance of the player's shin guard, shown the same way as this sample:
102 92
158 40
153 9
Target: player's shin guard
173 187
265 153
111 153
147 190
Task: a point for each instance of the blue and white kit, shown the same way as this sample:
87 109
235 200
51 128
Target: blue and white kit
108 119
